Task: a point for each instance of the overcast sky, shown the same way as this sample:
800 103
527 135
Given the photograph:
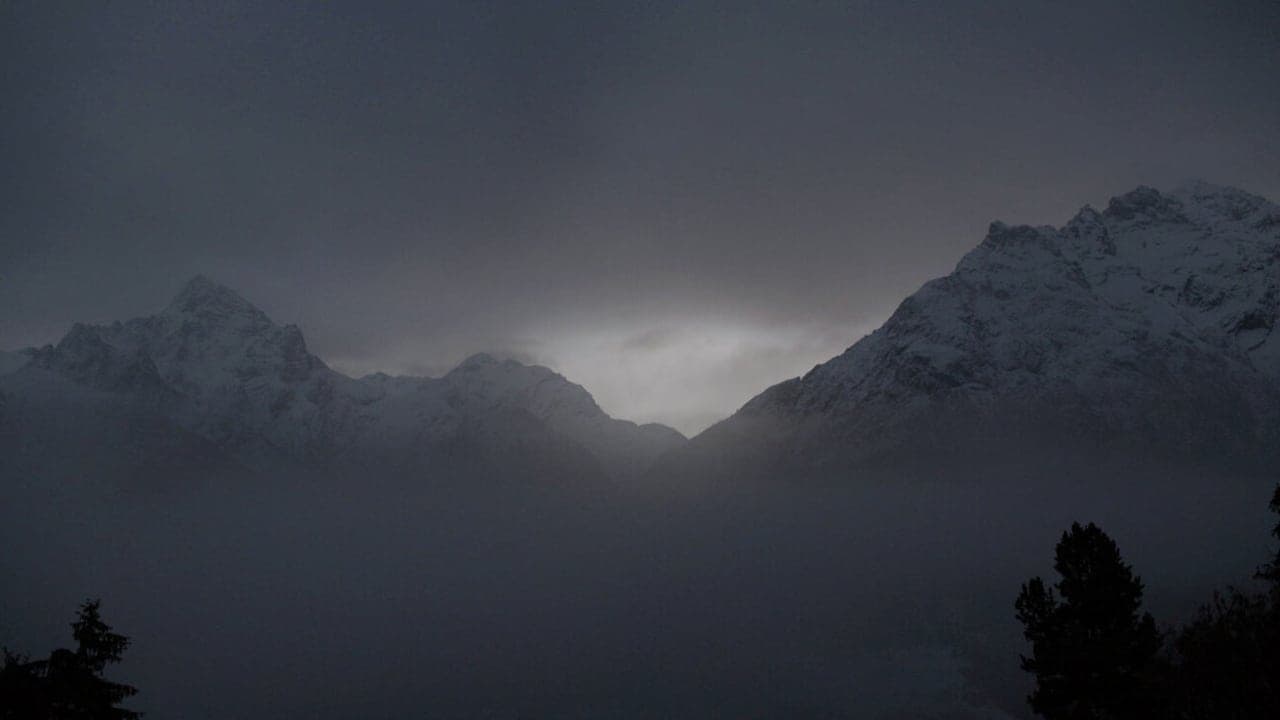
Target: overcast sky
674 204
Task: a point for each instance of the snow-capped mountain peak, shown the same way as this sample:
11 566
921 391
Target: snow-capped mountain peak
226 372
540 390
478 361
205 300
1154 318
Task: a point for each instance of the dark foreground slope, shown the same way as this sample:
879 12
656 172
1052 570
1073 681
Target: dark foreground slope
362 597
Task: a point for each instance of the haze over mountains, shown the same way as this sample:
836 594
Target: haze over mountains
263 264
848 543
1148 323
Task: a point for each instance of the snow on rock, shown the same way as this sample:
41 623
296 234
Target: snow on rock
218 366
566 407
1155 317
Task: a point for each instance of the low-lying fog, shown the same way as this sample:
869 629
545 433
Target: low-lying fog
360 597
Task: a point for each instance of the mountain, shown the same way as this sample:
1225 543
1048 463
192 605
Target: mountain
1143 330
213 366
1147 327
567 408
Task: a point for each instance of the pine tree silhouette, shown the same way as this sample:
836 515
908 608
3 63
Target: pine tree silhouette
69 685
1093 649
1229 654
1271 571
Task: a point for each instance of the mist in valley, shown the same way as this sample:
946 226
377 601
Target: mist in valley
635 359
364 596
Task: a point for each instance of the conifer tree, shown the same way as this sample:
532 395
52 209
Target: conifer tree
96 647
1271 571
69 685
1093 649
1229 654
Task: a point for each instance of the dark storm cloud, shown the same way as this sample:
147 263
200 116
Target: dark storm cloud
414 182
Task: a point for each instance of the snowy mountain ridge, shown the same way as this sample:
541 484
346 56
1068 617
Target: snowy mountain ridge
217 366
1151 323
1155 317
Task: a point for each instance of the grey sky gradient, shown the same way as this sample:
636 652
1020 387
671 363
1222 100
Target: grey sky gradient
675 204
